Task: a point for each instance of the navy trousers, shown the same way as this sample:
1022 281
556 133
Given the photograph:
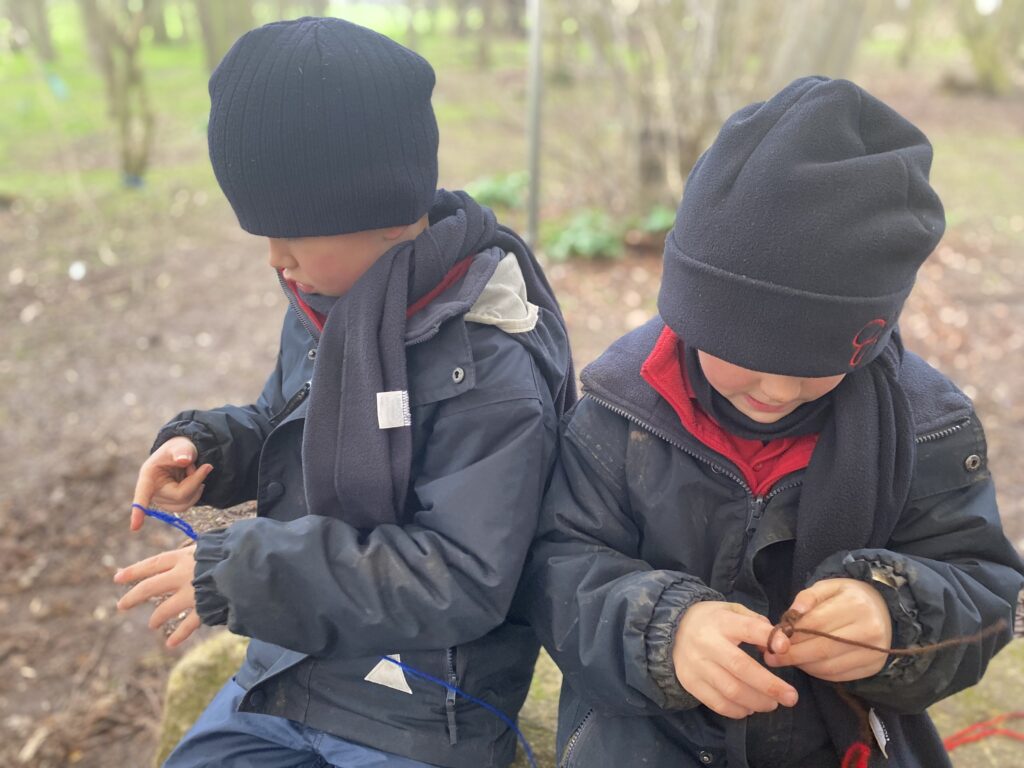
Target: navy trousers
223 736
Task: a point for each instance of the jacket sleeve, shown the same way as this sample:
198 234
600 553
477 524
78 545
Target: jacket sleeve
319 586
230 438
948 572
606 617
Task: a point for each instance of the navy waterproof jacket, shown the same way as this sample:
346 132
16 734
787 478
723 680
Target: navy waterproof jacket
323 601
642 520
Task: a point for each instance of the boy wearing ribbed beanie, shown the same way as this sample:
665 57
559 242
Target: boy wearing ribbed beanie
400 448
766 445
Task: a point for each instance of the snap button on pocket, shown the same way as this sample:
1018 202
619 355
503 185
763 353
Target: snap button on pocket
972 463
458 375
273 490
706 758
311 354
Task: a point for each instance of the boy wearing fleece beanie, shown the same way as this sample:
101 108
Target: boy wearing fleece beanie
765 445
400 448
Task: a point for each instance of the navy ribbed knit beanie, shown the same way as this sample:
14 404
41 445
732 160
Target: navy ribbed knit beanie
323 127
801 231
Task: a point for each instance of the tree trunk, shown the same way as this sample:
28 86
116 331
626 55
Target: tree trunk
154 10
483 35
115 37
31 15
990 46
221 24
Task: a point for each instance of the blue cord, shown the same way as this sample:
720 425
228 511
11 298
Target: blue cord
185 528
173 520
479 702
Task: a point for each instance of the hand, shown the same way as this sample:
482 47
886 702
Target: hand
846 608
169 479
169 573
711 666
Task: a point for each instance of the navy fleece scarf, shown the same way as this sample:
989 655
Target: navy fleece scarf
352 467
859 477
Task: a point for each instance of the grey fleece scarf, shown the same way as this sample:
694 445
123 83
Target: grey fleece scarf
352 467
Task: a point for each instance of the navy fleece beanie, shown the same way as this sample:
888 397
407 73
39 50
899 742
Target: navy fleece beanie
323 127
801 231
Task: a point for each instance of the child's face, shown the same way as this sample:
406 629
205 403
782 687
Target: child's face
331 265
764 397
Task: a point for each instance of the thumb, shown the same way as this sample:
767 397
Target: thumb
184 456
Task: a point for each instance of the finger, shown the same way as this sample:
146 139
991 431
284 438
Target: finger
738 692
154 586
778 643
744 669
847 674
144 490
809 599
146 568
184 630
746 628
716 702
171 607
190 486
812 651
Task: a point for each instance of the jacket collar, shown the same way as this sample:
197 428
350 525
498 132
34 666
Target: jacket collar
615 378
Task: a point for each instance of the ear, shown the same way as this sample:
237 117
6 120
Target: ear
393 233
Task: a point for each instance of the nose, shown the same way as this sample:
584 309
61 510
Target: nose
781 389
279 257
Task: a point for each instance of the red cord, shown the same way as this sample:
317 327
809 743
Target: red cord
857 755
983 730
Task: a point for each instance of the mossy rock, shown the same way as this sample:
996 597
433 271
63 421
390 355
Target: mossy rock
201 673
193 683
1001 691
539 716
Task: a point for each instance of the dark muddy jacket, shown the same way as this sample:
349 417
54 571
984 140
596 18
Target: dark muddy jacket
642 520
323 601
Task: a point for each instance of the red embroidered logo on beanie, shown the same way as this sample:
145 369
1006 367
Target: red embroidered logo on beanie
865 339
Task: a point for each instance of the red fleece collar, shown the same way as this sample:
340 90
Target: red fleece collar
762 465
454 275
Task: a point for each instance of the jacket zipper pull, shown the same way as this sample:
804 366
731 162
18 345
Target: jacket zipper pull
755 514
449 699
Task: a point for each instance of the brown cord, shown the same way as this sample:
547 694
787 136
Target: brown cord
787 626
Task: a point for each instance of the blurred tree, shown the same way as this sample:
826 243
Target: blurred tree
32 17
113 30
290 9
682 66
914 12
478 17
992 31
512 18
155 19
221 23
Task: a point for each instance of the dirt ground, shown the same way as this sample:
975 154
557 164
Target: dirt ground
183 312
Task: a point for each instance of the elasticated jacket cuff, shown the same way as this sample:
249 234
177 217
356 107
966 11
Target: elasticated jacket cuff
887 577
211 606
660 639
182 426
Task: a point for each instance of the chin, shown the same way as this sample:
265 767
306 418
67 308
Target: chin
762 417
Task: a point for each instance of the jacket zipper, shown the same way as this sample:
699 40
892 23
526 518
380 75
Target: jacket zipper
938 435
675 443
574 740
449 697
759 502
293 402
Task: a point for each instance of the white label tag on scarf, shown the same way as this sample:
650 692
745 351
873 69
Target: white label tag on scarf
881 734
393 409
